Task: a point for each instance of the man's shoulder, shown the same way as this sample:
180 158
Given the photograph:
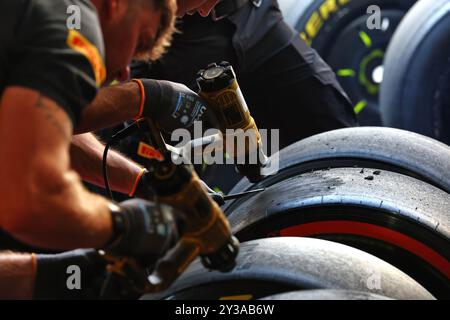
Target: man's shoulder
61 26
58 50
62 16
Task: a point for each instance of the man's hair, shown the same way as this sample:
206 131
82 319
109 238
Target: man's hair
166 27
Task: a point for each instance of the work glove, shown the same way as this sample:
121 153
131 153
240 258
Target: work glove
142 233
143 229
145 191
170 105
88 274
73 275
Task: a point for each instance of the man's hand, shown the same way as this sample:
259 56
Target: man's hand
143 232
171 105
52 277
143 229
53 281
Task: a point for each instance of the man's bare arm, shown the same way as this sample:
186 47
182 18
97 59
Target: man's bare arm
112 106
43 201
17 274
87 157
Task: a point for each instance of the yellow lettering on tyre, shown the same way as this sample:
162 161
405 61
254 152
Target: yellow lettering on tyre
314 24
305 37
319 17
327 8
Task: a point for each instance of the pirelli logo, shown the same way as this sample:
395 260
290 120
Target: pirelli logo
317 19
79 43
148 152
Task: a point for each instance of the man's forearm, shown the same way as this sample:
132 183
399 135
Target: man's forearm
17 275
112 106
87 157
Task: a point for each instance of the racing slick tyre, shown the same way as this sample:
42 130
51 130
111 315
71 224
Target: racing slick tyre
269 266
352 43
326 295
416 92
373 147
397 218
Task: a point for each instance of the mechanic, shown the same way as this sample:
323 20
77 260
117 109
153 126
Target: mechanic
285 82
276 70
48 74
274 66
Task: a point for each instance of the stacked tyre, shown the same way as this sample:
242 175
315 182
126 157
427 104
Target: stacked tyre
268 267
415 95
375 199
352 37
361 213
384 191
391 56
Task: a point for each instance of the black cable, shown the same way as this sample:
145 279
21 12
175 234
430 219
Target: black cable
122 134
105 170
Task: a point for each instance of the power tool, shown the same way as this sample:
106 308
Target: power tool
219 88
205 230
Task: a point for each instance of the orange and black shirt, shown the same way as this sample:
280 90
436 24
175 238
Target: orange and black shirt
54 47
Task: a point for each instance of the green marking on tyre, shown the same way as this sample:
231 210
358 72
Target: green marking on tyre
365 38
371 88
346 73
360 106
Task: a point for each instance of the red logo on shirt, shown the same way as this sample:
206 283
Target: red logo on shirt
79 43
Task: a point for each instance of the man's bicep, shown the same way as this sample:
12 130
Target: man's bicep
35 134
43 202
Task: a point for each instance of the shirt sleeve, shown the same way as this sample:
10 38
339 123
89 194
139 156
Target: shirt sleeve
65 65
